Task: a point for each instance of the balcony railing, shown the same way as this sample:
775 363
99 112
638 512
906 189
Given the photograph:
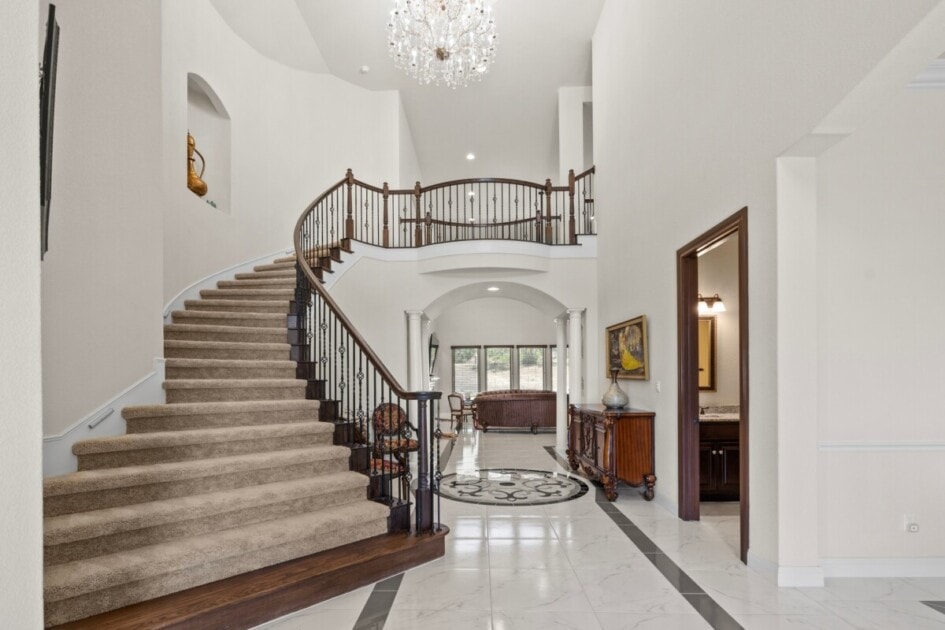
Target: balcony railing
461 210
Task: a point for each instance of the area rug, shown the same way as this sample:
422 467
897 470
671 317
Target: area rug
511 486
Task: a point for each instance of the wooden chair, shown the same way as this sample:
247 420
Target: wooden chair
458 412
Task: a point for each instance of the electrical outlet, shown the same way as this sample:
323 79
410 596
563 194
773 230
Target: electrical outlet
912 524
913 528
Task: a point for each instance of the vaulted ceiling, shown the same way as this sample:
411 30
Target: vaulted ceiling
509 120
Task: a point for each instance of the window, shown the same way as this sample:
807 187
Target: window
531 367
466 370
498 367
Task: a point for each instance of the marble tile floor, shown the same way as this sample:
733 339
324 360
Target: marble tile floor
588 564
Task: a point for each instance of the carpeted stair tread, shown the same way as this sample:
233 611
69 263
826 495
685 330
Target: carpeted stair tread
129 476
85 577
227 369
186 348
164 439
265 283
204 415
239 306
221 389
288 272
247 294
69 528
193 409
244 334
277 266
230 318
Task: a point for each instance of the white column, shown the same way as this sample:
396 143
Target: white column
561 376
414 350
798 550
576 354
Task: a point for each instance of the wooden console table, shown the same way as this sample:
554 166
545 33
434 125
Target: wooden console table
611 445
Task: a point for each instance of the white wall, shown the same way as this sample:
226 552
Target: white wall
718 273
691 107
293 135
409 164
573 127
879 309
490 321
102 275
378 285
21 525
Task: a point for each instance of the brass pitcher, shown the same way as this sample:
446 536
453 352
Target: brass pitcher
196 185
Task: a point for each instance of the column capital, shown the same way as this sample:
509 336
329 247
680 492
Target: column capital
575 311
414 314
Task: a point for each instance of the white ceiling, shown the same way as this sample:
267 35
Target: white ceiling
509 119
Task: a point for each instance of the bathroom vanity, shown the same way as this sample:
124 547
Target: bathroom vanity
718 457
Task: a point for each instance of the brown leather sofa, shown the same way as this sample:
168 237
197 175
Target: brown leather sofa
515 409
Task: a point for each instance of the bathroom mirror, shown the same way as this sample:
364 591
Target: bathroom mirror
707 353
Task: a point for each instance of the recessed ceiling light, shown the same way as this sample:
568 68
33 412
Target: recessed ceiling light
470 156
493 289
364 69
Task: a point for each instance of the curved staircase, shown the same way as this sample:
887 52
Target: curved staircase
233 474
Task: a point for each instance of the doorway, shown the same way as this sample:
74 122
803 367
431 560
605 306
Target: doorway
687 285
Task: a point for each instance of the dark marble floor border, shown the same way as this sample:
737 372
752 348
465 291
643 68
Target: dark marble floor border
710 610
939 606
375 611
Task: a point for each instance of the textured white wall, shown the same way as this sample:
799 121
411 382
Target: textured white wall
718 273
691 107
409 165
102 275
21 525
879 315
293 135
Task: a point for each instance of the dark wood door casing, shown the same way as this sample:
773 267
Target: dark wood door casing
688 394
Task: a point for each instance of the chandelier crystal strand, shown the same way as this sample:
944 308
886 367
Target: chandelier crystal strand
444 42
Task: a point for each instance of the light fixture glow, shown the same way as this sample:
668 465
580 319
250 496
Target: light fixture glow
493 289
444 42
470 156
711 305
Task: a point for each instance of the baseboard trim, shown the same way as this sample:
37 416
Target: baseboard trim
800 576
883 567
57 449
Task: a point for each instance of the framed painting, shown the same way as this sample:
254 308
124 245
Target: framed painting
627 351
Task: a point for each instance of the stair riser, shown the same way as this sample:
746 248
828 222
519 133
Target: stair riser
113 543
116 459
276 266
98 499
278 335
219 420
65 610
256 294
272 283
277 274
234 394
249 322
233 306
228 372
248 354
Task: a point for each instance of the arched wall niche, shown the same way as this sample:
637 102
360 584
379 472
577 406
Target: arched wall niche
209 123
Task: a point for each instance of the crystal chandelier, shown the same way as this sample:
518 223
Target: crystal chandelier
444 42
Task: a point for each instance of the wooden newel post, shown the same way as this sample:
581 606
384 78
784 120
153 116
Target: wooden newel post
418 229
424 492
572 237
349 221
428 223
548 227
386 220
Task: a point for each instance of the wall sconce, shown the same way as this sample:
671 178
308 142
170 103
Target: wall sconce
711 305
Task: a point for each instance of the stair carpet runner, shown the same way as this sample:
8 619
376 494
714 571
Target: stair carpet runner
233 474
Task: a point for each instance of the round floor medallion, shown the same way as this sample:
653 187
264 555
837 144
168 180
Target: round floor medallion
511 486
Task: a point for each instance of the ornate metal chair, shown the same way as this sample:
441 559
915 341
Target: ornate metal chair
392 443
